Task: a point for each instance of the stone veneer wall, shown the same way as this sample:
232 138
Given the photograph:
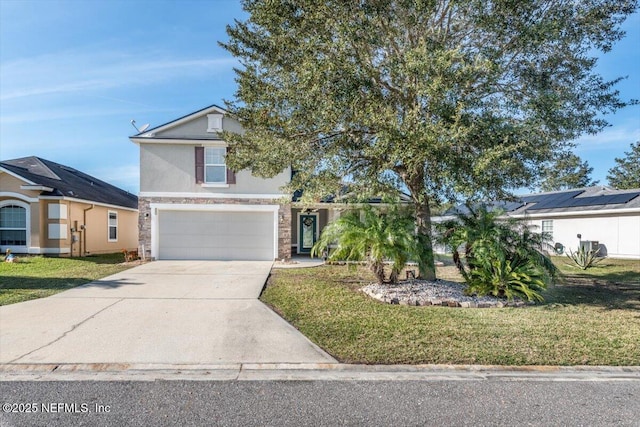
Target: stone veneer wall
144 220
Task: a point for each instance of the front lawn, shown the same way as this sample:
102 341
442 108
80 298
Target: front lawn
37 276
593 318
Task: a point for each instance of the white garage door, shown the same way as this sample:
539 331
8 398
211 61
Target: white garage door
215 235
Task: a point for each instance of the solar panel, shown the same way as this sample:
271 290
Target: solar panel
611 199
548 201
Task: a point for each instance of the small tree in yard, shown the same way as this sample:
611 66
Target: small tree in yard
440 98
371 235
501 257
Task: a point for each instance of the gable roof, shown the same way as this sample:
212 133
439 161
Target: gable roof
597 198
68 182
150 133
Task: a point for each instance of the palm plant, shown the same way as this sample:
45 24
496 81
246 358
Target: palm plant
500 255
373 236
507 276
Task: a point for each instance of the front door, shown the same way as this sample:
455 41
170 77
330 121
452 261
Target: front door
307 233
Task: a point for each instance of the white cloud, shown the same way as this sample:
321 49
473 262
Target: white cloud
50 114
74 72
619 136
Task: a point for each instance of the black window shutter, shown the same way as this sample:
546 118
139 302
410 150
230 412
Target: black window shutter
231 175
199 165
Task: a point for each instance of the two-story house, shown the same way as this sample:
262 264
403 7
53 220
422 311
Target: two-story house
193 207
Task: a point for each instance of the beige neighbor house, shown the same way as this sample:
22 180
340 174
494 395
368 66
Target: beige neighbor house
193 207
48 208
597 217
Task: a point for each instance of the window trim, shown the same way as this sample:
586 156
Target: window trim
206 183
109 239
27 210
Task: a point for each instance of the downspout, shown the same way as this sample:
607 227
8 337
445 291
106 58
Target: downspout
84 226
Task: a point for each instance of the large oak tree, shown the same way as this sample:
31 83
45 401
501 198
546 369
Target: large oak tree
438 98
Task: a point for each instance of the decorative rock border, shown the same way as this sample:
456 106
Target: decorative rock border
439 293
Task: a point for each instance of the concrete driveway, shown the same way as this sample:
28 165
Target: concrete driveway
164 312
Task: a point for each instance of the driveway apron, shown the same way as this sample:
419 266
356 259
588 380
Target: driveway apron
163 312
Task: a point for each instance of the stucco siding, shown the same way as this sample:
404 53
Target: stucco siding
170 168
618 235
97 233
11 184
197 129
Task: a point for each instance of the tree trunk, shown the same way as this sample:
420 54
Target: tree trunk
414 180
378 270
426 264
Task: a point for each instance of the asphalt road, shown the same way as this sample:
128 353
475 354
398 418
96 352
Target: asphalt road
322 403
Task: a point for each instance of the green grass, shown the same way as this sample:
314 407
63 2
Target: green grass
593 318
37 276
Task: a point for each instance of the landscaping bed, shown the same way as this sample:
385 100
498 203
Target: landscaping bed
592 318
439 292
37 276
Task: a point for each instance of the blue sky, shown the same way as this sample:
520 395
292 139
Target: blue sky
73 74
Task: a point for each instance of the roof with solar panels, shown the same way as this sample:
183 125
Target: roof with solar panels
597 198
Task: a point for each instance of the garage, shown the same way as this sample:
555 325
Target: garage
246 233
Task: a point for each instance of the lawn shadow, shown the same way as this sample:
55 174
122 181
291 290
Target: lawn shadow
115 258
594 292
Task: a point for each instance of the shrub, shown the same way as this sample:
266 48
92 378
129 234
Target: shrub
373 236
508 277
502 257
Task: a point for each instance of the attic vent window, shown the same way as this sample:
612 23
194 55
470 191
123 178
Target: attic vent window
214 122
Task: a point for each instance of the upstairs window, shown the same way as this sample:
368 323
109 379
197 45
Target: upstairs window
215 170
211 168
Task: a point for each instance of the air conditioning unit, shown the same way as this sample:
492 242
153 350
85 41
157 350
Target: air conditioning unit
590 245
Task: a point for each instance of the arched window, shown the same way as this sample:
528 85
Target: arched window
13 225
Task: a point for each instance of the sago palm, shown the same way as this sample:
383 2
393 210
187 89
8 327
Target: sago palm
372 236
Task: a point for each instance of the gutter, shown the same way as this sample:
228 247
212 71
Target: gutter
84 227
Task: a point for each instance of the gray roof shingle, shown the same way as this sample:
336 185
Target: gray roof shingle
69 182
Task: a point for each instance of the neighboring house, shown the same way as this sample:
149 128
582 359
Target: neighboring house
193 207
609 218
48 208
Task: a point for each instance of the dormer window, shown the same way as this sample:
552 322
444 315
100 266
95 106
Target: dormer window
214 122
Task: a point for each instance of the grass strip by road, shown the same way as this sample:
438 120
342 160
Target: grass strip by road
37 276
593 318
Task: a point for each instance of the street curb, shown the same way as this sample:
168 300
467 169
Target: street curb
309 372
